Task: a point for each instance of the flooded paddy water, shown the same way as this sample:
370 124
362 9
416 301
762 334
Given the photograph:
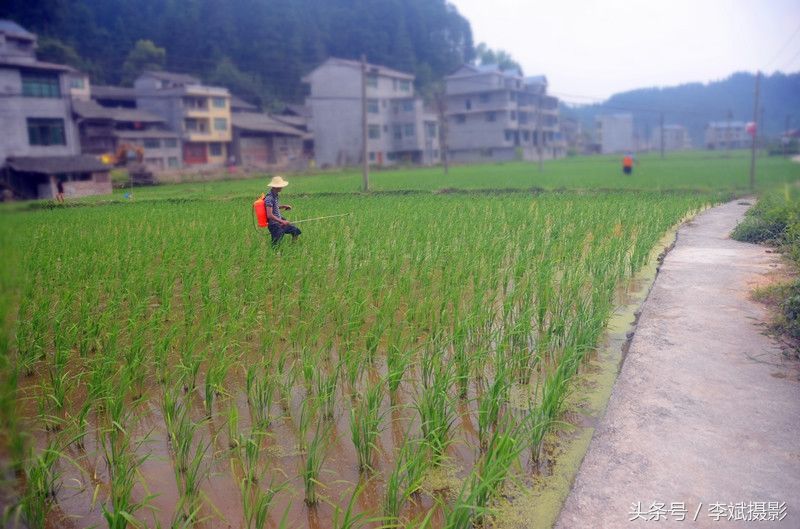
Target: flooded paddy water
404 377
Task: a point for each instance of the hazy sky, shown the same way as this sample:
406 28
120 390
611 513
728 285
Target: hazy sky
598 47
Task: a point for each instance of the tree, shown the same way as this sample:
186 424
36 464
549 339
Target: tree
144 56
485 56
53 50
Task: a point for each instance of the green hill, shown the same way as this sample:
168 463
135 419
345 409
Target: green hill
695 104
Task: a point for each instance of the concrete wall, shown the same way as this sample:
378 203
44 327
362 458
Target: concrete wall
15 109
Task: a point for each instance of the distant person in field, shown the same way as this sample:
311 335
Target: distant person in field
627 164
60 191
278 226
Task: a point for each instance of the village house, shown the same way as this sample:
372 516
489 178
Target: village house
676 138
726 135
201 115
40 144
299 117
262 142
614 133
122 131
497 115
399 127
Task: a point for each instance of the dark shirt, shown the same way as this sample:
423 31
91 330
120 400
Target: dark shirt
271 202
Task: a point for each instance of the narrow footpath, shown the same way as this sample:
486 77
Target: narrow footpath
703 425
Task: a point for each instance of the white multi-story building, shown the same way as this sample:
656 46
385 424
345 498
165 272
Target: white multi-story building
726 135
399 127
676 138
496 115
614 133
39 142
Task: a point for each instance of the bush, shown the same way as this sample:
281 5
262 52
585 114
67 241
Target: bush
776 220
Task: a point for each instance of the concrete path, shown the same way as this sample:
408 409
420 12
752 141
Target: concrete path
706 409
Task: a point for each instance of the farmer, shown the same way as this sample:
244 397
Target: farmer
627 164
278 226
60 190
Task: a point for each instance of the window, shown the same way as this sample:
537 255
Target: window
152 143
408 106
372 80
172 161
394 85
461 118
408 130
372 157
491 116
195 103
40 85
170 143
512 96
374 132
398 132
76 82
219 102
513 116
372 106
405 86
391 156
386 129
468 104
436 153
46 131
509 135
526 135
196 125
430 130
220 124
215 149
157 163
484 98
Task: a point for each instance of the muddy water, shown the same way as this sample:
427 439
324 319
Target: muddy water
536 502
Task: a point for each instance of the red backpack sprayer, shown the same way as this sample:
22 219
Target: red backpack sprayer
260 214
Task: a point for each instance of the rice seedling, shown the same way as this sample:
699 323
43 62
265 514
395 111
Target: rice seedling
123 462
406 477
312 464
41 486
365 425
435 407
490 404
326 391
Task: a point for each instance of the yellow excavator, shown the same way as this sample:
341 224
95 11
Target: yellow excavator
131 157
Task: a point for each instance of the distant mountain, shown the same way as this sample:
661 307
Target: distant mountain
695 104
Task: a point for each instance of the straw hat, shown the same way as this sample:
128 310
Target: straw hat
278 181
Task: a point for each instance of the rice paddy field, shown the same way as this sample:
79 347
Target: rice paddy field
163 366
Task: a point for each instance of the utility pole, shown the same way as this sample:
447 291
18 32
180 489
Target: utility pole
755 135
661 123
364 128
785 136
727 136
539 131
441 107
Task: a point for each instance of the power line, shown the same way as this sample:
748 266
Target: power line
785 44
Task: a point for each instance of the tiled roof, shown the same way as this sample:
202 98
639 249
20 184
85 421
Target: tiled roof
81 163
113 92
91 110
172 77
258 122
9 27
